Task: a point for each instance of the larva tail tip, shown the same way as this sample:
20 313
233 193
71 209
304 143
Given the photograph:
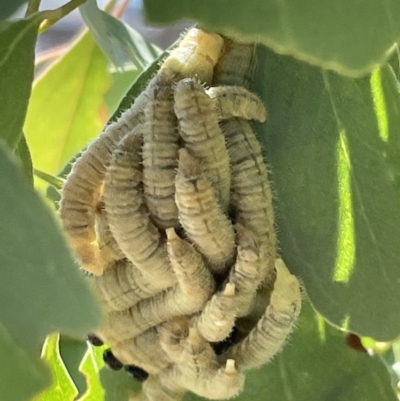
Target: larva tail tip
230 367
229 290
171 234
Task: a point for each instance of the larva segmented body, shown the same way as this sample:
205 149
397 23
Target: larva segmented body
272 330
144 351
81 190
200 372
123 285
236 101
195 56
251 195
218 317
127 215
236 65
194 289
200 214
199 129
160 152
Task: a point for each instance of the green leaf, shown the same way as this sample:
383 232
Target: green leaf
56 182
117 40
67 108
24 155
350 37
333 144
41 288
62 387
118 385
318 365
72 352
17 53
7 7
90 366
22 375
122 82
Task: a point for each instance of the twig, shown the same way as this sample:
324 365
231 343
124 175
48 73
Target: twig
50 17
33 7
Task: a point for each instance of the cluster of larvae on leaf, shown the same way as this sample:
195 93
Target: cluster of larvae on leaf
170 209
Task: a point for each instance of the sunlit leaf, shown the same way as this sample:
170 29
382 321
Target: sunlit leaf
67 108
333 144
62 387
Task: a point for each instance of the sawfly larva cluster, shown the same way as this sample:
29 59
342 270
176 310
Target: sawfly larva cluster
170 209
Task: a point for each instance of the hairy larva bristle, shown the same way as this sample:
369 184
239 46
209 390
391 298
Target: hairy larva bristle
236 101
81 189
201 216
202 136
160 153
195 56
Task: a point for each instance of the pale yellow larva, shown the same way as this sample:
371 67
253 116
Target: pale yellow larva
195 56
202 136
236 65
251 192
246 274
136 236
81 190
272 330
251 196
195 287
201 216
218 317
160 152
144 351
123 285
105 238
200 373
236 101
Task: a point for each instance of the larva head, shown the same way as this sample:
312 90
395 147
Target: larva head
196 55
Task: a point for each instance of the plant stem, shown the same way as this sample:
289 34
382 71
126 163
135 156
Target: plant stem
50 17
33 7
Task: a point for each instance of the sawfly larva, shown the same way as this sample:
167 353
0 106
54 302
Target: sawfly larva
160 153
82 189
236 101
272 330
144 351
195 287
218 317
236 65
195 56
199 129
200 373
136 236
201 216
251 196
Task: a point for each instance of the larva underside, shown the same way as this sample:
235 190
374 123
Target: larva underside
160 152
200 214
271 332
